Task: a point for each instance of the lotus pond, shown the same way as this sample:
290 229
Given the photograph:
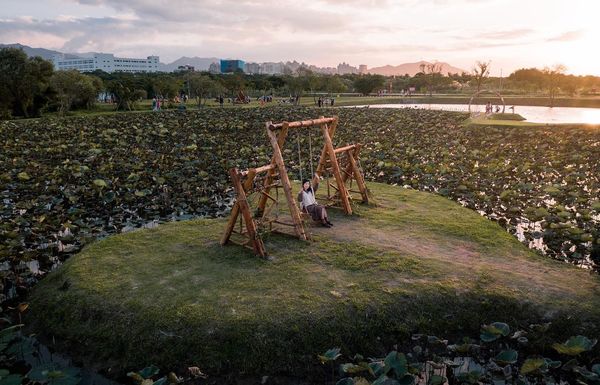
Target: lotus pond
66 182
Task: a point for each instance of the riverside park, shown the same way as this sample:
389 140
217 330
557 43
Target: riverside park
220 194
476 241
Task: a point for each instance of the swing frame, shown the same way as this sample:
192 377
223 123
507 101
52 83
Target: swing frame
244 183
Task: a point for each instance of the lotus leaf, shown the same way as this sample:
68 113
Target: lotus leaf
88 170
330 355
575 345
397 362
506 357
532 365
494 331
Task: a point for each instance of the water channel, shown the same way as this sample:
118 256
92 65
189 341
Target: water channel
534 114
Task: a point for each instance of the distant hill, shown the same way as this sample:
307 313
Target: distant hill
411 68
42 52
200 63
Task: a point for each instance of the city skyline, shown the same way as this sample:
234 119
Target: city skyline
509 33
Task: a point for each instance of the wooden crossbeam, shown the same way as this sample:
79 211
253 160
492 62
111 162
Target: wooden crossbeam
303 123
345 148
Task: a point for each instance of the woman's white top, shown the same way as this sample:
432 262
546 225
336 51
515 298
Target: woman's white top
308 198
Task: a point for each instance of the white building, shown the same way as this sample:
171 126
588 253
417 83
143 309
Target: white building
106 62
345 68
271 68
214 68
252 68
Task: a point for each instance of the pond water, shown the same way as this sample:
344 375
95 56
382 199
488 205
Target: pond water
532 114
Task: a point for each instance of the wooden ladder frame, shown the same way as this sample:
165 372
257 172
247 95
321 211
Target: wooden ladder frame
244 183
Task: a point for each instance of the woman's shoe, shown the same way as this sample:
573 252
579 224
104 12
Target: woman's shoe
329 223
325 224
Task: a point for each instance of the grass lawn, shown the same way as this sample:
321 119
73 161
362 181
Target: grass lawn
414 262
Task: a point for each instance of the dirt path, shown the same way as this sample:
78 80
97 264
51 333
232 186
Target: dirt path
464 260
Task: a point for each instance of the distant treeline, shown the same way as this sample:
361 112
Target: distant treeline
31 86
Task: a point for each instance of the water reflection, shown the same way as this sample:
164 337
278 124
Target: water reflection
534 114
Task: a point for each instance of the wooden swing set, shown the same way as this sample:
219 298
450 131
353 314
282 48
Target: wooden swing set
264 183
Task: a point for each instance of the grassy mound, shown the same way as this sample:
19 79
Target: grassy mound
416 262
506 116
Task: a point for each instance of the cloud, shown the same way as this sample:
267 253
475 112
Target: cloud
510 34
567 36
322 32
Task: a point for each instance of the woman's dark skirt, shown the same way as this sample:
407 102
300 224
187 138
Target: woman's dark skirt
315 211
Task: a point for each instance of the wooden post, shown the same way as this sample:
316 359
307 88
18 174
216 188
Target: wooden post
323 158
360 181
249 180
336 171
257 243
235 211
269 179
285 183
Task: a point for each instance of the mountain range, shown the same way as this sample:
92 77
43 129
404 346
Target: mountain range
411 69
202 64
41 52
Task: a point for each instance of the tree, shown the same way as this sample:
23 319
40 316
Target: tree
530 79
166 86
125 92
74 89
295 86
333 84
432 75
553 74
366 84
569 84
310 79
23 83
201 86
234 83
481 72
262 84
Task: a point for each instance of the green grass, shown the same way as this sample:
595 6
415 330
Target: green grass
506 116
414 262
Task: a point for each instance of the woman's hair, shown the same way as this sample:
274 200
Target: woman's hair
309 187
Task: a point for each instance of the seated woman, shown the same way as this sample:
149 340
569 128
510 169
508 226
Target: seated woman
309 204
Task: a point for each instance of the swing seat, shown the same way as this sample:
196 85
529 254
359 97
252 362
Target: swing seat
306 217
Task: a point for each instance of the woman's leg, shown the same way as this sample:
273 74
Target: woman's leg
326 217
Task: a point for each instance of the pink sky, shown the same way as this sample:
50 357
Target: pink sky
512 34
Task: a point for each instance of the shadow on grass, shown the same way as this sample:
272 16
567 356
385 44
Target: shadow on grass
287 343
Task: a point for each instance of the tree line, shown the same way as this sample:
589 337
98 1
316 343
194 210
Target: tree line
30 86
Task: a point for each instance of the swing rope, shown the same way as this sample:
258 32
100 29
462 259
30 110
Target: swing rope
312 172
310 154
299 155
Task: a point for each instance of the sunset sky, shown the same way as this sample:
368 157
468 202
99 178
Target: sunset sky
511 33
